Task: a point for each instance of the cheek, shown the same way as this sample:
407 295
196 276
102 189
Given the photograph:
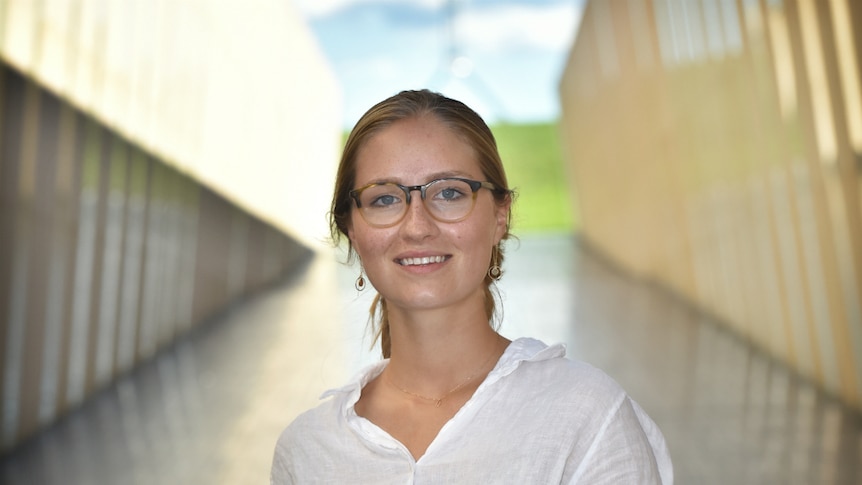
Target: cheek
496 227
357 242
367 242
475 237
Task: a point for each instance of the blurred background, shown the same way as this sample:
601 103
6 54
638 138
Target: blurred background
689 219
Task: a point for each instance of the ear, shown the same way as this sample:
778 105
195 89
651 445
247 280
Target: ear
502 218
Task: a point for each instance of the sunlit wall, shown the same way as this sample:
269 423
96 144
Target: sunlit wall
715 147
233 93
158 160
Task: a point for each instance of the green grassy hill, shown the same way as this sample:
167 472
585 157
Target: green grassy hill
532 156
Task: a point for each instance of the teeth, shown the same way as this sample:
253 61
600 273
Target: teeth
420 261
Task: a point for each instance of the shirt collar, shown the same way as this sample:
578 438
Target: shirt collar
519 351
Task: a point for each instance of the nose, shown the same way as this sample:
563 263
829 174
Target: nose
417 222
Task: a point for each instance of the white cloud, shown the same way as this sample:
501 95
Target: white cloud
516 47
381 68
503 27
322 8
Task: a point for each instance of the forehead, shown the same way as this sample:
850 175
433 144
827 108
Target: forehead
412 150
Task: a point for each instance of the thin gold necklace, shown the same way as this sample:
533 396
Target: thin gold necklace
438 401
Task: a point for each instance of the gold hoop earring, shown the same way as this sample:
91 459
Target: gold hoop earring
495 272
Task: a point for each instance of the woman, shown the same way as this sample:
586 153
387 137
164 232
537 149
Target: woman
423 200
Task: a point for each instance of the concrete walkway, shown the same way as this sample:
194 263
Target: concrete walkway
209 409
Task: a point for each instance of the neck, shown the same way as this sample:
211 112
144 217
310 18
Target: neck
433 351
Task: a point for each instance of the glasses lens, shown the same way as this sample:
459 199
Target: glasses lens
382 204
449 199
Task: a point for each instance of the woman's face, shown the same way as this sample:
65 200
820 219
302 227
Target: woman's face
416 151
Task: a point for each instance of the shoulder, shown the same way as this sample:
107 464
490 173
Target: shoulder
299 445
576 403
311 425
315 437
551 374
547 389
574 391
320 422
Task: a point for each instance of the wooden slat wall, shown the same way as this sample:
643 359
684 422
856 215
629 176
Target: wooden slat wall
107 255
716 147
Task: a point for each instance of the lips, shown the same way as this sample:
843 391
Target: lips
422 261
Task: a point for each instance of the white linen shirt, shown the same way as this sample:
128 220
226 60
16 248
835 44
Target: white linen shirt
537 418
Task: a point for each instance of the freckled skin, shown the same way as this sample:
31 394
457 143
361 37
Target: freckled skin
412 152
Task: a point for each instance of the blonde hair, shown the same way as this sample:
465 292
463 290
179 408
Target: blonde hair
467 125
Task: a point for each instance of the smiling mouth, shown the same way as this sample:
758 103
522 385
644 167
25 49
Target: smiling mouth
422 261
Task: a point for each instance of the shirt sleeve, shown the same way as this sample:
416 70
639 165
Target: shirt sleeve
628 448
281 474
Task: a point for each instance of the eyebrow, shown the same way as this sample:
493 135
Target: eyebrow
434 176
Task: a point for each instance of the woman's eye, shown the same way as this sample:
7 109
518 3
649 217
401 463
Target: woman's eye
385 201
450 194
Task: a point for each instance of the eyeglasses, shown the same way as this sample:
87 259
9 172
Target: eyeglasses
447 200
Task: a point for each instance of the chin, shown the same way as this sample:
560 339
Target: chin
428 300
419 302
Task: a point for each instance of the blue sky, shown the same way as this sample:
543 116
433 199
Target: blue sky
510 53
